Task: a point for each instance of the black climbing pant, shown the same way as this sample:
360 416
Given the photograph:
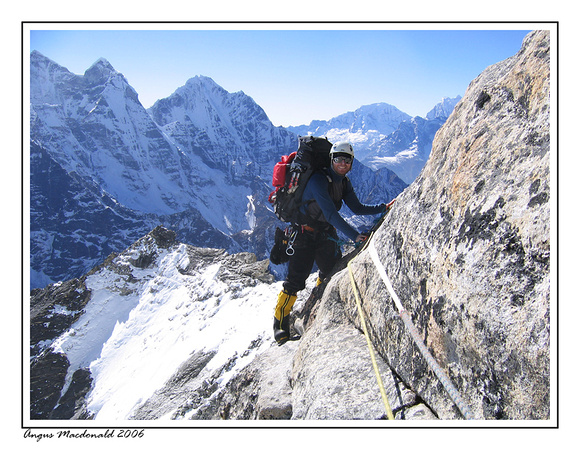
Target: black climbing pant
310 246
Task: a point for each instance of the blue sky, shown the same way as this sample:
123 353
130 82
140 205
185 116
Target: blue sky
296 76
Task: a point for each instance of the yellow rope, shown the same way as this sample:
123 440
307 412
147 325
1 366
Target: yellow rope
447 384
406 317
364 326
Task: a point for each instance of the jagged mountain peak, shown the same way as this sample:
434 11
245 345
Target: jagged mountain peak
200 85
379 107
37 57
53 84
444 108
201 101
100 72
230 131
102 64
203 81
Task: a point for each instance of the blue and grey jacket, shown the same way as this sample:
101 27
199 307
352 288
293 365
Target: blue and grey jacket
323 197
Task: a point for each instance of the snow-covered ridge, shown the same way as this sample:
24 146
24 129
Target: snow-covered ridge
155 305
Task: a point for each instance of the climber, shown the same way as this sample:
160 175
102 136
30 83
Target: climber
316 237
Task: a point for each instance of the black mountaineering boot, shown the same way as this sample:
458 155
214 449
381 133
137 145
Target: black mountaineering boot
282 316
282 330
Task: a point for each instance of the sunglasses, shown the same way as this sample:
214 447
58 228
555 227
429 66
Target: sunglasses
342 159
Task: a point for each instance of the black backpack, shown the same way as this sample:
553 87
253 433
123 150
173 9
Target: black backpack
293 171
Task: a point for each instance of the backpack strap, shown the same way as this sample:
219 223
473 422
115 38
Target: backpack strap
305 219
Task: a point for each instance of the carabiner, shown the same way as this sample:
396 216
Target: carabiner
291 239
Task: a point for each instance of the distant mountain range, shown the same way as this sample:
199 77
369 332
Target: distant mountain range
384 136
105 170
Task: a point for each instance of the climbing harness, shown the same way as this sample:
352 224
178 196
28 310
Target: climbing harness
406 317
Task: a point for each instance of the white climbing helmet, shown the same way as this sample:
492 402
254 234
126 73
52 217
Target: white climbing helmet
342 147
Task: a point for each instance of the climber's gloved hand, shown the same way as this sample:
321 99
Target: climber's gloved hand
361 238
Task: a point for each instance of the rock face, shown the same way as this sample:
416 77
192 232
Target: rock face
326 375
467 248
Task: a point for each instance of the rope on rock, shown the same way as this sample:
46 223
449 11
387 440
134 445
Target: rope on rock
370 345
413 331
444 379
406 317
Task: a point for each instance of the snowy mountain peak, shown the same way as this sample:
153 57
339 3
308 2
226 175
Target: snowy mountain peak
102 72
384 136
381 118
37 58
101 65
199 86
202 81
230 131
202 101
444 108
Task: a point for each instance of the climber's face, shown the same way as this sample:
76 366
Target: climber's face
342 164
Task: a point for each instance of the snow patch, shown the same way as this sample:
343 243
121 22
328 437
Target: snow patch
135 334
